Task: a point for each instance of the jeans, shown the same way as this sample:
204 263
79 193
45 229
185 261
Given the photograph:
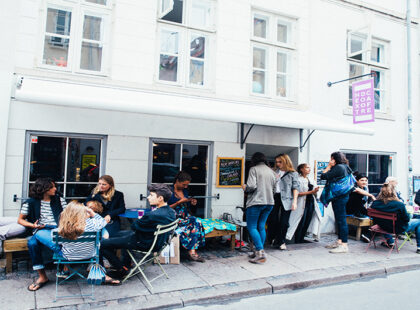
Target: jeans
256 216
414 226
125 240
339 208
41 237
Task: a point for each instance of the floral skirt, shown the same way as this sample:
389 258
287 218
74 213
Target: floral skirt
191 233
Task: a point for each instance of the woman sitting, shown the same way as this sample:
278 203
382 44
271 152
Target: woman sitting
112 201
74 221
40 214
190 229
359 197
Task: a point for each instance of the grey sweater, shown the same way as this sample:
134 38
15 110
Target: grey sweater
260 186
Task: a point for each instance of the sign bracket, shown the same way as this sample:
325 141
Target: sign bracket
372 74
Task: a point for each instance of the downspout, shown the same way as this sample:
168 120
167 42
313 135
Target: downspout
409 113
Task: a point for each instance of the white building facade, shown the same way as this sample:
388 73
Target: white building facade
142 89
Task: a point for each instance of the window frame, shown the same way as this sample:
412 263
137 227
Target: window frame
273 47
78 9
27 156
369 65
185 31
392 156
209 184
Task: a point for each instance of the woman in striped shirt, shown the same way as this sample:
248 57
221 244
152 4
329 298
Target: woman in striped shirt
74 221
39 215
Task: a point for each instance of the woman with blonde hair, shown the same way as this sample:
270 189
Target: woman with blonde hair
285 200
112 201
74 221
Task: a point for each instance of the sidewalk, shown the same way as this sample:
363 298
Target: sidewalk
224 275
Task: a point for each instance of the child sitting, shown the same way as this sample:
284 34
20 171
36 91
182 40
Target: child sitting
97 207
76 220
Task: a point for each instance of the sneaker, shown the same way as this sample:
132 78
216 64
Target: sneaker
63 274
252 255
332 245
364 238
340 249
418 251
260 258
283 247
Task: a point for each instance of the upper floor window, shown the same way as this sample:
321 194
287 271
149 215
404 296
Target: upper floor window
365 55
273 55
186 30
75 35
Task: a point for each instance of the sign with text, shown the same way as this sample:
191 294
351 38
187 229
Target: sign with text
319 167
363 101
230 171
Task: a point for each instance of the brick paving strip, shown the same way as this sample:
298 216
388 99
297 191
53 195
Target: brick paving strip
224 276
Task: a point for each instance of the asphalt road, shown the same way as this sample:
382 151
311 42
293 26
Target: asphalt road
396 291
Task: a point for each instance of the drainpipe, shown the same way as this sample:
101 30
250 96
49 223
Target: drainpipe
409 114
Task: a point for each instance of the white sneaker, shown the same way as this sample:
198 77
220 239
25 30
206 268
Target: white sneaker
340 249
283 247
332 245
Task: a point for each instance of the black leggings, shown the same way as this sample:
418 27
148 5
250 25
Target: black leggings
278 222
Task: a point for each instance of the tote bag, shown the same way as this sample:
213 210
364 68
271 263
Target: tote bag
338 188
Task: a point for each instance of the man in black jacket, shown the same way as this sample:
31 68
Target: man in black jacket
142 235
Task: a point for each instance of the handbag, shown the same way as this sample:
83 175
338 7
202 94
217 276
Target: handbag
96 275
338 188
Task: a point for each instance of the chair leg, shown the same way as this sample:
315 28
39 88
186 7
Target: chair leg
163 270
372 239
56 282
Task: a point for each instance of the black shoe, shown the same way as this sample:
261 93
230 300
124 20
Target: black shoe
387 245
418 251
118 274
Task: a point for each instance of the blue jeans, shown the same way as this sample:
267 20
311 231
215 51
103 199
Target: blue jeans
41 237
339 208
256 216
414 226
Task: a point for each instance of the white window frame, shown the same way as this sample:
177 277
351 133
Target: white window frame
27 156
368 41
78 9
185 31
273 46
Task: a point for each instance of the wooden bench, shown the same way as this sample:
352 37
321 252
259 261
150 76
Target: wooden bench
219 233
13 245
359 223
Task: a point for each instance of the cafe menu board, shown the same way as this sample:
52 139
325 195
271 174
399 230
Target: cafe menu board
230 171
319 167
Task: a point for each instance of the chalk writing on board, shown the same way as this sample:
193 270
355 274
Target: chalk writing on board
230 171
320 166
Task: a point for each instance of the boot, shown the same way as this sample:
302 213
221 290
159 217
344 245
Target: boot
260 257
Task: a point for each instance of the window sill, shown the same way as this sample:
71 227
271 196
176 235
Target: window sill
378 115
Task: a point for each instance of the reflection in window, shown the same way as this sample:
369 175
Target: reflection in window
166 162
175 15
74 163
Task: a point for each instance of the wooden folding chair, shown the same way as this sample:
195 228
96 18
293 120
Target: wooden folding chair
152 254
92 237
376 229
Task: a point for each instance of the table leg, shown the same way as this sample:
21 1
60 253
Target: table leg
358 233
232 241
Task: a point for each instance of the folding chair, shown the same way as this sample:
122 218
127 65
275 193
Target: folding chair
94 238
152 254
376 229
407 237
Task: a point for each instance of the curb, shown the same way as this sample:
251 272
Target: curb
257 287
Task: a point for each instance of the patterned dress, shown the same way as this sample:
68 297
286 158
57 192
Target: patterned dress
190 229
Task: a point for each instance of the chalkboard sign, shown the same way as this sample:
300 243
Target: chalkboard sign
319 167
230 171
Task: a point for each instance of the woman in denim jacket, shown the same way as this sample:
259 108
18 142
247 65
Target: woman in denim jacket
285 200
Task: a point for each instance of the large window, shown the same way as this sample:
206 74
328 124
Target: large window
73 162
75 35
169 158
376 166
369 55
272 55
185 32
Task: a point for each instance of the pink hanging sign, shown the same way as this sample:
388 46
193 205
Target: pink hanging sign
363 101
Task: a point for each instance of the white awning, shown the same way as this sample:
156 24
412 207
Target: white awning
151 102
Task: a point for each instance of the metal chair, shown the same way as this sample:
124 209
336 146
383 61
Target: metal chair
92 237
376 229
407 237
152 254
